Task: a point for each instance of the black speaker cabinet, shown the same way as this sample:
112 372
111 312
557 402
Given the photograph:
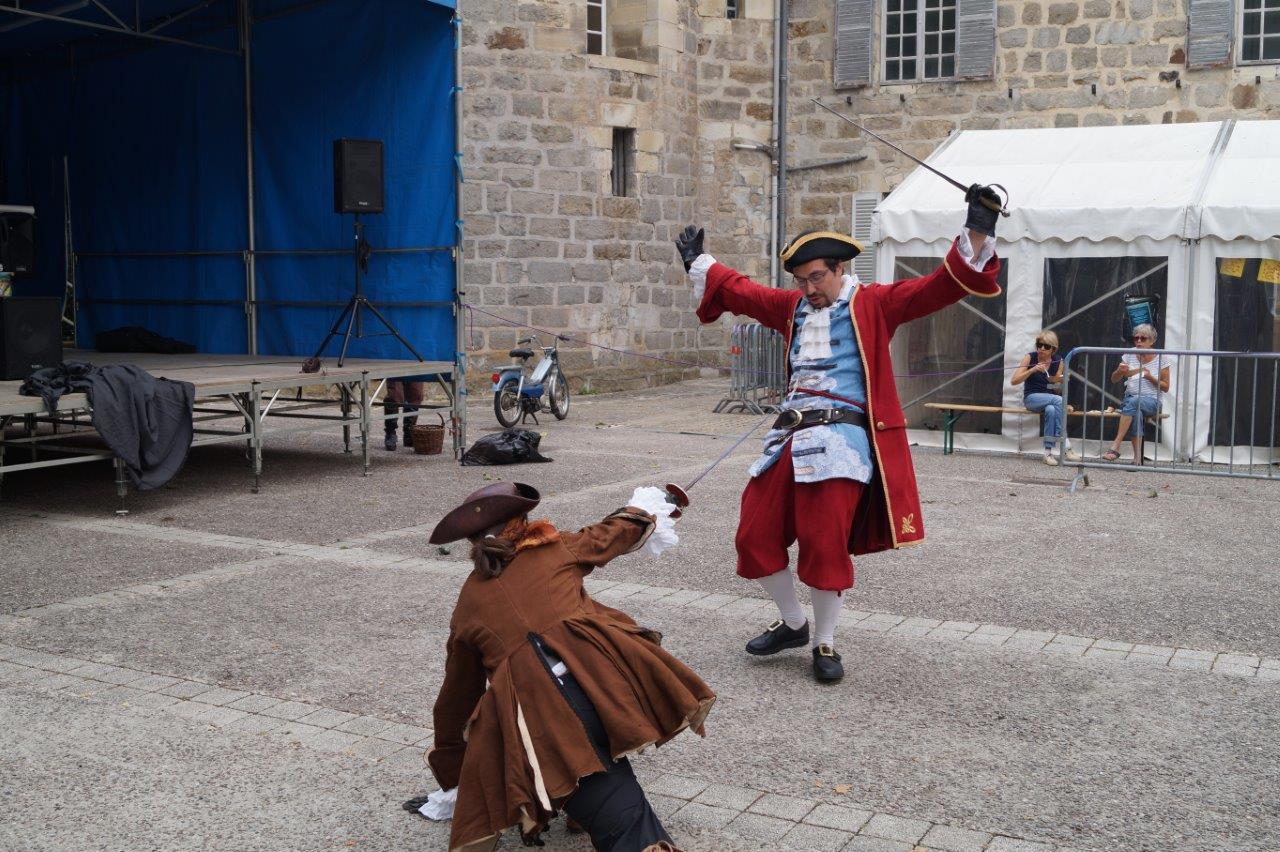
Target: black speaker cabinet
30 335
17 240
357 176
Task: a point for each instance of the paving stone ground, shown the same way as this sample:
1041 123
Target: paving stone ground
219 669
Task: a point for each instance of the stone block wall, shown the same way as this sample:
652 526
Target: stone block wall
547 244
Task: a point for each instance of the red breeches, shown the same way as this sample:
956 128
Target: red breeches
777 511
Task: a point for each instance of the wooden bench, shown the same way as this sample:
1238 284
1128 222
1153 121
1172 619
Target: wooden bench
953 411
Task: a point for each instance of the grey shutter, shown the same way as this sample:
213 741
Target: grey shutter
1209 24
853 42
976 38
864 265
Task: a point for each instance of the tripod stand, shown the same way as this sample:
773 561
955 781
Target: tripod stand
360 302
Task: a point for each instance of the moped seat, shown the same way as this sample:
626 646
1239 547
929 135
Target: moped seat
521 353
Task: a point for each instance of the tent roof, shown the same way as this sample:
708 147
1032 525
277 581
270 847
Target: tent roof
1243 196
1099 183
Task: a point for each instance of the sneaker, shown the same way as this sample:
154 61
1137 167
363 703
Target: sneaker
1050 459
1072 455
778 637
826 664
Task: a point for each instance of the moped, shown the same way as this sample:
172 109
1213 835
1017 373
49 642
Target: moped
519 394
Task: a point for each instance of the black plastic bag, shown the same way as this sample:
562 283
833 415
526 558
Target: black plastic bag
510 446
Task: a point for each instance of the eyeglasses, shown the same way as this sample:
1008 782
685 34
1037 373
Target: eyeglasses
813 279
1040 344
1138 337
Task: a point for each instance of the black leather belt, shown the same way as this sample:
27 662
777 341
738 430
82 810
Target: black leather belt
793 420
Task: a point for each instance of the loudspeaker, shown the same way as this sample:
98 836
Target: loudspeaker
30 335
17 240
357 176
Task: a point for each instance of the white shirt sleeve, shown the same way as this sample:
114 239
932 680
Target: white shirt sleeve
698 274
985 252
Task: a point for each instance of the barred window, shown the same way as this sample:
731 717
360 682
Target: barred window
731 8
920 40
1260 31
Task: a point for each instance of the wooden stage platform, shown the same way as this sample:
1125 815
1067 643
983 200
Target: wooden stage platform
240 398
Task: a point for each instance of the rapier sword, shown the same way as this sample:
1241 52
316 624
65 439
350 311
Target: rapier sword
989 204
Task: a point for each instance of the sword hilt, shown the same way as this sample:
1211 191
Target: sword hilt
1000 207
675 495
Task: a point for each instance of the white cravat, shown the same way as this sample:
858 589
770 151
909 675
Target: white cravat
815 334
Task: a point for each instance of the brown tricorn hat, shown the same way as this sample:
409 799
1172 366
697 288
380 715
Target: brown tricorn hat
485 508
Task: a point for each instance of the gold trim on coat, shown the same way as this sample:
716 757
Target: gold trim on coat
962 286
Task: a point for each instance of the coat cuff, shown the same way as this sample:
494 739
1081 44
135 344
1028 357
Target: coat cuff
640 516
709 308
973 282
446 765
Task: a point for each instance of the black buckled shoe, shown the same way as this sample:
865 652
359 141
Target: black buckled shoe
778 637
826 664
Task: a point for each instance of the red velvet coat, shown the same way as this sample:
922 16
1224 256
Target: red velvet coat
889 515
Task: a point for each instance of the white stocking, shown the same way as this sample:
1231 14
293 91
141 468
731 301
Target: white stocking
826 610
782 589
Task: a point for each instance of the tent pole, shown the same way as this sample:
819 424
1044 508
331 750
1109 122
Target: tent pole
250 271
460 326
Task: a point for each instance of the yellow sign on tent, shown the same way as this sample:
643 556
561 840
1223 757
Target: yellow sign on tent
1269 271
1231 266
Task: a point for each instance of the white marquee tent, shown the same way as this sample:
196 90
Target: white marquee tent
1188 214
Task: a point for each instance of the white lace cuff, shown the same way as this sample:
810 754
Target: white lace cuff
654 501
698 275
985 252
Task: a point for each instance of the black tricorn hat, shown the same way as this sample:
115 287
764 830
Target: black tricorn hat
485 508
816 245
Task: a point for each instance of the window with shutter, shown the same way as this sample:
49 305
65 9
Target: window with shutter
1208 33
976 39
853 42
864 265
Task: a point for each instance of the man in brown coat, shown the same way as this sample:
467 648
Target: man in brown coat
546 690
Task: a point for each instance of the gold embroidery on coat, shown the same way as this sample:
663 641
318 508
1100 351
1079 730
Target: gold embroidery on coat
909 524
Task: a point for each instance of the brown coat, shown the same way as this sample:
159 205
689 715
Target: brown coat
514 748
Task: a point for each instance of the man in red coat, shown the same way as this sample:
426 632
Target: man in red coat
835 474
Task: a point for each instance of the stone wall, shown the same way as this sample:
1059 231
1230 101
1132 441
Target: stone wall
547 243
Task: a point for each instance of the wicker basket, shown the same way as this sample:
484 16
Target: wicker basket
428 440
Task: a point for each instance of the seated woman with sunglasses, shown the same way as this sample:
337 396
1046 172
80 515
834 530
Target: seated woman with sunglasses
1146 380
1037 371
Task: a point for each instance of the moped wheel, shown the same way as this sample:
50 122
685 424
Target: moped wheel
560 395
506 403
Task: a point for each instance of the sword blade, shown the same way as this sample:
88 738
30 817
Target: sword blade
727 452
957 184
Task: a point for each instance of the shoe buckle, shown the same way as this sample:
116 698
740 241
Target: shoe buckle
826 651
774 626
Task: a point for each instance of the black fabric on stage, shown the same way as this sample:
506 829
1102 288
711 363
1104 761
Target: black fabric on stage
145 421
610 805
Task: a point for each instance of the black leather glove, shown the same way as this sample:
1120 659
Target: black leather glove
689 244
982 218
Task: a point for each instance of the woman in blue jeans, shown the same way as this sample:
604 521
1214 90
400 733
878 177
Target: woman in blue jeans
1035 373
1146 380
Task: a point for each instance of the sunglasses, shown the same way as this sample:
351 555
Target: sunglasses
1141 337
1042 345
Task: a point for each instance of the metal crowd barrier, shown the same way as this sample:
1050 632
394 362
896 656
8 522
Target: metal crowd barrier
1218 417
757 370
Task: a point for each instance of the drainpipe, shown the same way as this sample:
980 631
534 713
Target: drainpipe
781 83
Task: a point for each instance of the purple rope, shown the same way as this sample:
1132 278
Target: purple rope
692 364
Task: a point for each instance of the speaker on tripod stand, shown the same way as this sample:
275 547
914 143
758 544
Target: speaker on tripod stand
358 189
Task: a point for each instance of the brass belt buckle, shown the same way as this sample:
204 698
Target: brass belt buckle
791 418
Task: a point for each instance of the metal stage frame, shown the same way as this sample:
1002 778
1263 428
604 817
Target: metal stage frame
239 398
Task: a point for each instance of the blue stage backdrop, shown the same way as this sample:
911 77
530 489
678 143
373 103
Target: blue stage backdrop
154 140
